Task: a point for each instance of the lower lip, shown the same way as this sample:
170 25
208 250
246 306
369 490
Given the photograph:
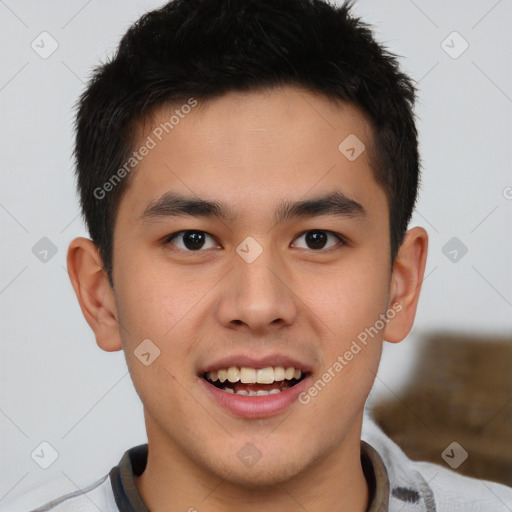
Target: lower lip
256 406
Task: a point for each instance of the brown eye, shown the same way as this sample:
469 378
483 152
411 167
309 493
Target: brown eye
318 239
191 240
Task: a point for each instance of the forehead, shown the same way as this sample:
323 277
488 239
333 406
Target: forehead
252 147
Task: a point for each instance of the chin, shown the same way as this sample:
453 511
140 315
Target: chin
263 478
263 472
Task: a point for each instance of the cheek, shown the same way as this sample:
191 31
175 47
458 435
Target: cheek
349 299
153 301
150 308
353 347
157 305
349 306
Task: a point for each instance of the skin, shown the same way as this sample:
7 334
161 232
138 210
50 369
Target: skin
251 151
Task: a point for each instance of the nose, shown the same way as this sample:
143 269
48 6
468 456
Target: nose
257 296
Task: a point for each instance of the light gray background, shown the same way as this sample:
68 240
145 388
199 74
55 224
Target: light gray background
56 384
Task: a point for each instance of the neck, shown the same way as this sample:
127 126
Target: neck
335 481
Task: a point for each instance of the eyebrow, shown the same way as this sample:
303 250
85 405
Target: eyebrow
332 204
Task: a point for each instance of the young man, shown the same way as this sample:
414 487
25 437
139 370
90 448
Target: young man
247 171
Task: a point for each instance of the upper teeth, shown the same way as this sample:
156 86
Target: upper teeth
253 375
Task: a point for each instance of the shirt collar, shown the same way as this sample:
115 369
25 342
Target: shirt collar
133 463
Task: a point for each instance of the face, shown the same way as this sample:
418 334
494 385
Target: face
216 265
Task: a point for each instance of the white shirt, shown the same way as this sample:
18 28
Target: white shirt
399 484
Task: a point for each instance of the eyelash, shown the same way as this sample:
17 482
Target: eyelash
342 241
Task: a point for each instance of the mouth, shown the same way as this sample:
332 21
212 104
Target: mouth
248 386
255 382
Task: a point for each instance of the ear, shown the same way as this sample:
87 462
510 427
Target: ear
406 281
94 293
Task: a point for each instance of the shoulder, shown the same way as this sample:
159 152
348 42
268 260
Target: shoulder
455 492
431 487
97 496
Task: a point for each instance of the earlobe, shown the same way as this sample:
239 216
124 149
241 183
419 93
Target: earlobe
94 293
406 281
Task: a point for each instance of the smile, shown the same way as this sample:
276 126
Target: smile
250 392
247 381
